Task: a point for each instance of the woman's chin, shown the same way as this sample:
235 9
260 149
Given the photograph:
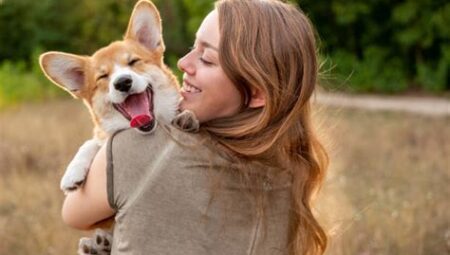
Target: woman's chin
186 105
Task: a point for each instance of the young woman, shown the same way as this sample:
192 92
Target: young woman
243 183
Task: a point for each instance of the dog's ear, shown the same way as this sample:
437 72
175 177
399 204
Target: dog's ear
145 26
65 70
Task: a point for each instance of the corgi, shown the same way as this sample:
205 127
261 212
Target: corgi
124 85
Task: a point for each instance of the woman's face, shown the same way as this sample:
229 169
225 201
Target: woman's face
207 91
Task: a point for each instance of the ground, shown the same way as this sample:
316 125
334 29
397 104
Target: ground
386 191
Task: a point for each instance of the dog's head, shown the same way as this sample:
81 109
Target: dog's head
125 83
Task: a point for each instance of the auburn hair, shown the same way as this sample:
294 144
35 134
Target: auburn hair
270 46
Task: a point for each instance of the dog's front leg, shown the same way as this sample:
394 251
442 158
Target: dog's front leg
77 169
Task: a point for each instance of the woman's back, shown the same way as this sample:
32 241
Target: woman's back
161 186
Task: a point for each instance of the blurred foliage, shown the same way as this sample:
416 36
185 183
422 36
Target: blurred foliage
375 45
384 46
20 82
82 26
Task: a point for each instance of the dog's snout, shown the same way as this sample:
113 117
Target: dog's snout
123 83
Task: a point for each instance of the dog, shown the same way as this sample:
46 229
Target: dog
124 85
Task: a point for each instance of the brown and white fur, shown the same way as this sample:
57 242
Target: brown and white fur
105 80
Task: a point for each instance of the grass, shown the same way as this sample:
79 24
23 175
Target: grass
33 155
21 83
386 192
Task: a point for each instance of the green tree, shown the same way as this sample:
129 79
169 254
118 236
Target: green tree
377 45
385 46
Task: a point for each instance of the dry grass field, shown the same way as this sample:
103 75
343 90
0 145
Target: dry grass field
386 192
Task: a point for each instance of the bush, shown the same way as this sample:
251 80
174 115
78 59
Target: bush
374 45
20 83
385 46
434 76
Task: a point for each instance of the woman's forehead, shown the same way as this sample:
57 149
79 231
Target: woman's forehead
208 32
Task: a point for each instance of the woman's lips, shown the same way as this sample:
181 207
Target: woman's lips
189 88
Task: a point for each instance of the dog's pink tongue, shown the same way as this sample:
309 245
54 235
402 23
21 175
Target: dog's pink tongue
138 107
140 121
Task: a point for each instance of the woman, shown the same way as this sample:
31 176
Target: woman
243 183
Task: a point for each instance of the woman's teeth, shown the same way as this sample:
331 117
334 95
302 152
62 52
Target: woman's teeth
191 89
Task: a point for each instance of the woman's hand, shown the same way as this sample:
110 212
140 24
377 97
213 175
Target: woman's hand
88 205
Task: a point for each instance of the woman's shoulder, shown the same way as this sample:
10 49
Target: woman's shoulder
168 137
162 134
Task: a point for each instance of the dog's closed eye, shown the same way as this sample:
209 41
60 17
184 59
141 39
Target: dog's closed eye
103 76
133 61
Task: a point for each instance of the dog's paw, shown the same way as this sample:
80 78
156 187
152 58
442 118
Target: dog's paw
186 121
74 177
78 168
103 241
99 244
86 246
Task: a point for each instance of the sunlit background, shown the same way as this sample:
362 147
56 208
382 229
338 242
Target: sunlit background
387 189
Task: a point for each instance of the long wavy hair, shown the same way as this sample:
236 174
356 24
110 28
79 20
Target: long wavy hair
270 46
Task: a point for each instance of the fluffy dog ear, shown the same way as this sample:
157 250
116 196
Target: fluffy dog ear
145 26
65 70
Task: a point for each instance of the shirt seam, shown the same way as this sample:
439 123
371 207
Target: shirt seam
255 236
110 172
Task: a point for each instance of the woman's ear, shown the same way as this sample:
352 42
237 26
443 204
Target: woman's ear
257 99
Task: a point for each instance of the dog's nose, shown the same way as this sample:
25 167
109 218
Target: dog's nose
124 83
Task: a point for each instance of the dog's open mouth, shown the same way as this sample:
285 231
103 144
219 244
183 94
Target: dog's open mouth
138 109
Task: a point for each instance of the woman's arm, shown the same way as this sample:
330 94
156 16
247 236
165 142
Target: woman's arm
86 206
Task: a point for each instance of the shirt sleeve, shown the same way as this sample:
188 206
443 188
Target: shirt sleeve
129 160
110 172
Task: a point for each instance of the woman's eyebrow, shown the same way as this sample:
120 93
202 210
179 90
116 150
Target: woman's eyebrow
207 45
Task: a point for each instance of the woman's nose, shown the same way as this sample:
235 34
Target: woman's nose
185 65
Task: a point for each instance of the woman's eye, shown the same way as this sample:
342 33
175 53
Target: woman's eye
206 62
101 77
133 62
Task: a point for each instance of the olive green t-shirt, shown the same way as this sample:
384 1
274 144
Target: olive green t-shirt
161 187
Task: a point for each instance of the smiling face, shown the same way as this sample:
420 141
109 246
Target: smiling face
124 84
207 91
134 87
